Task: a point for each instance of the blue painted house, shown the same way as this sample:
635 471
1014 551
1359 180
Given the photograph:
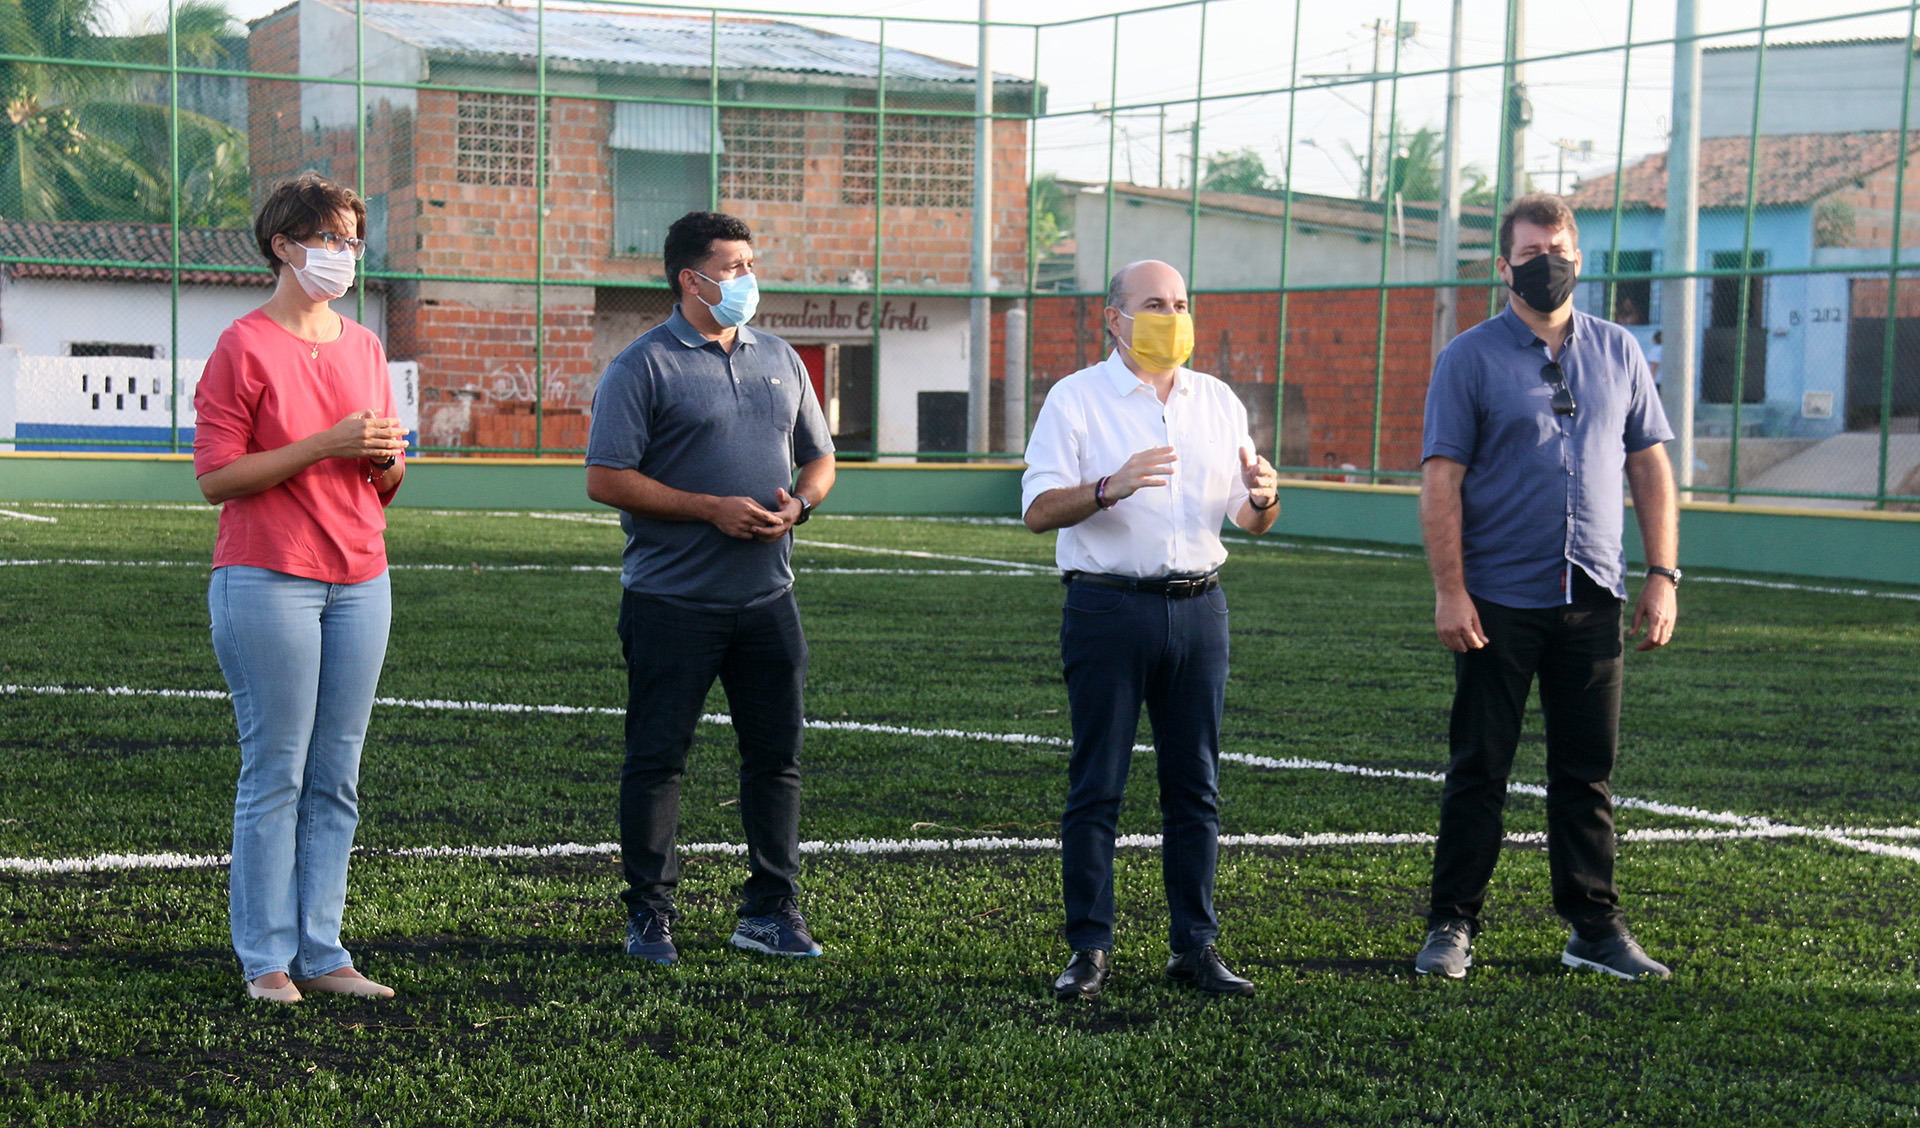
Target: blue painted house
1814 356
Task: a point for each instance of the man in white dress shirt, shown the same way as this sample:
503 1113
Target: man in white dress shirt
1137 461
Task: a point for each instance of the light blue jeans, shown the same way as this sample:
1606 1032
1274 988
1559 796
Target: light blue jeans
302 658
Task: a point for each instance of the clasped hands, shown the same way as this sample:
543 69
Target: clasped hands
746 519
364 434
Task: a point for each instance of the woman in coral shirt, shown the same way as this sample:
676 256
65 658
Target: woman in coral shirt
297 441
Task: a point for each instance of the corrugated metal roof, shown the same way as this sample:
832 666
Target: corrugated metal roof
637 39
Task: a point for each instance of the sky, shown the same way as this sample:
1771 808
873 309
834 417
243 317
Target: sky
1249 49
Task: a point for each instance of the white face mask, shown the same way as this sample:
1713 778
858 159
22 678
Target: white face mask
327 275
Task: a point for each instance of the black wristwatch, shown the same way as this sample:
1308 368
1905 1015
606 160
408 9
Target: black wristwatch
806 509
1670 573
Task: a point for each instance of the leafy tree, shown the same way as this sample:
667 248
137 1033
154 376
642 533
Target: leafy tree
1052 214
1413 169
1242 171
75 144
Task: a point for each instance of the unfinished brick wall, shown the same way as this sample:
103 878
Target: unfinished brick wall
474 340
1862 216
1331 349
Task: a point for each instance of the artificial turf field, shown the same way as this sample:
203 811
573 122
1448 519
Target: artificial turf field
1770 812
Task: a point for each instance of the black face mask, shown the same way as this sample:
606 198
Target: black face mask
1544 282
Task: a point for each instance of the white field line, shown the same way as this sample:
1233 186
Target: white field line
18 516
1763 827
590 518
110 862
613 569
1030 568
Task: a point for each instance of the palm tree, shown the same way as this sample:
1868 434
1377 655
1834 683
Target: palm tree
74 142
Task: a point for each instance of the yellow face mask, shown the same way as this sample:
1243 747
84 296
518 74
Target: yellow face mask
1162 342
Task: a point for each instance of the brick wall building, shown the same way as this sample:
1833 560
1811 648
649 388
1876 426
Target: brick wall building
454 185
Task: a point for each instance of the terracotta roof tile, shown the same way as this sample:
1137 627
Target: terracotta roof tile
1794 168
219 256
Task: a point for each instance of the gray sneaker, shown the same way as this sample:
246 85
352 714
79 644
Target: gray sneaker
1448 951
1618 955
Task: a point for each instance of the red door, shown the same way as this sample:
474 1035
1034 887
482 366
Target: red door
815 358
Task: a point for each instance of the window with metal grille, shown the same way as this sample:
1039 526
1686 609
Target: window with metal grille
929 161
496 140
763 155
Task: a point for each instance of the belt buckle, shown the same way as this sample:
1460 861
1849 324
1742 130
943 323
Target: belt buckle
1182 588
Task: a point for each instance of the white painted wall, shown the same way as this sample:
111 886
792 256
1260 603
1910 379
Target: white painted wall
42 316
117 392
1235 251
910 361
1831 88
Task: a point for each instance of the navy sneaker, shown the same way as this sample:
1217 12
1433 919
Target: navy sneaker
650 936
782 934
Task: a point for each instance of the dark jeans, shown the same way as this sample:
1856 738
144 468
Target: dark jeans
1576 651
1120 649
673 654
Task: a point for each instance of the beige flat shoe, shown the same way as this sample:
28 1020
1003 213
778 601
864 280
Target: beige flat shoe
347 985
286 994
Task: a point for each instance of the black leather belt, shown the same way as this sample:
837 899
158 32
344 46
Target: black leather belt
1173 587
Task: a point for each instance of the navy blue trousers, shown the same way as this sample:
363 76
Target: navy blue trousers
1122 649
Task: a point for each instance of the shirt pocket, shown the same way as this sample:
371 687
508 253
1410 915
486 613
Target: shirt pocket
781 400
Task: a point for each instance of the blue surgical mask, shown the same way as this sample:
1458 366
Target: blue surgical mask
739 298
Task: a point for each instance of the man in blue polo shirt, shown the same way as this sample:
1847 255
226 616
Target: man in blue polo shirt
697 428
1537 422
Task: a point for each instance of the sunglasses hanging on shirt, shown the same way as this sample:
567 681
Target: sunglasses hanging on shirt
1557 380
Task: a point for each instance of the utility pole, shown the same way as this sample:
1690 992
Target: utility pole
980 309
1446 298
1373 107
1563 147
1679 302
1513 155
1160 180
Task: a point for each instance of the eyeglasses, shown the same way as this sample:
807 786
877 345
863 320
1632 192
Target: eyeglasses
335 243
1557 380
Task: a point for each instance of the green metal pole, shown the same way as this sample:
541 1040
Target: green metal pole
1893 267
1502 190
173 223
1746 263
713 104
1620 167
1193 198
879 205
1113 128
1386 246
360 139
1017 443
540 233
1286 245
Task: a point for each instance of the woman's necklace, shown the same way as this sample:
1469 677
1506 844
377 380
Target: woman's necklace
313 348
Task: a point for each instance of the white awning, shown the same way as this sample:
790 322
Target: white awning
649 128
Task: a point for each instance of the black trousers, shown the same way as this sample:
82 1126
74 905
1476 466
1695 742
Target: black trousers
1120 649
1576 652
673 654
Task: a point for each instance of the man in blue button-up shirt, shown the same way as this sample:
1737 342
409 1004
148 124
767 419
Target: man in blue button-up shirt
1537 422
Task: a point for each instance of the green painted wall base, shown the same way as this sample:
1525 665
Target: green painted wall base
1883 547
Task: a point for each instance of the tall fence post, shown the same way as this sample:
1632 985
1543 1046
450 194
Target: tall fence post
1680 297
980 308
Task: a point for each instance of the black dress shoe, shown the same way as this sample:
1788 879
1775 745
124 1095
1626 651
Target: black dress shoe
1085 977
1203 970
